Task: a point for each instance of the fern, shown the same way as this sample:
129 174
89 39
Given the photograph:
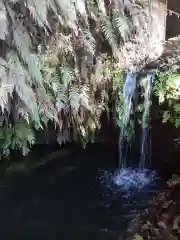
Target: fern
21 86
109 34
63 136
66 76
74 99
20 136
45 44
23 43
3 22
6 88
84 98
62 99
90 42
38 10
101 6
92 9
122 24
66 11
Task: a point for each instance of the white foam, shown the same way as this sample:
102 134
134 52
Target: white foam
128 178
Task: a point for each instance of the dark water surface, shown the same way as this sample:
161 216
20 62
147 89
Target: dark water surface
76 201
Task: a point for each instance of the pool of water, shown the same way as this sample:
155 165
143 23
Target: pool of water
82 202
126 193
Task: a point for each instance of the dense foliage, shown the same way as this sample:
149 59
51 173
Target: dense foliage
58 61
167 89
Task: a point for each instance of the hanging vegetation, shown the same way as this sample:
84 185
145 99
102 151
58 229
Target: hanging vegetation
54 65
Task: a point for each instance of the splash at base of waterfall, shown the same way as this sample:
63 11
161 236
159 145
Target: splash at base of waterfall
129 180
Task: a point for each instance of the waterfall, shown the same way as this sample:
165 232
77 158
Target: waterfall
128 92
127 178
147 84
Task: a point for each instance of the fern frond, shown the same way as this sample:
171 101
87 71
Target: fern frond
63 136
47 110
22 40
24 132
90 42
52 5
23 43
81 9
22 111
6 86
54 84
65 45
109 34
66 76
74 99
98 72
38 10
122 24
66 10
62 99
34 69
23 137
4 98
92 9
3 21
101 7
84 97
20 78
27 96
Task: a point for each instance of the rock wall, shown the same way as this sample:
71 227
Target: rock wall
173 21
170 57
147 44
157 19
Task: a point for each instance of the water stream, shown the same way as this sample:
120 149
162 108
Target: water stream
128 92
129 89
147 83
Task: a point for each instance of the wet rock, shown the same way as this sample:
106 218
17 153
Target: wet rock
162 219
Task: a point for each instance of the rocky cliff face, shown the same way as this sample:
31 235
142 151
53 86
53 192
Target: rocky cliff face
170 57
173 20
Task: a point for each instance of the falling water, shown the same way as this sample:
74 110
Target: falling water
128 92
147 84
128 179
